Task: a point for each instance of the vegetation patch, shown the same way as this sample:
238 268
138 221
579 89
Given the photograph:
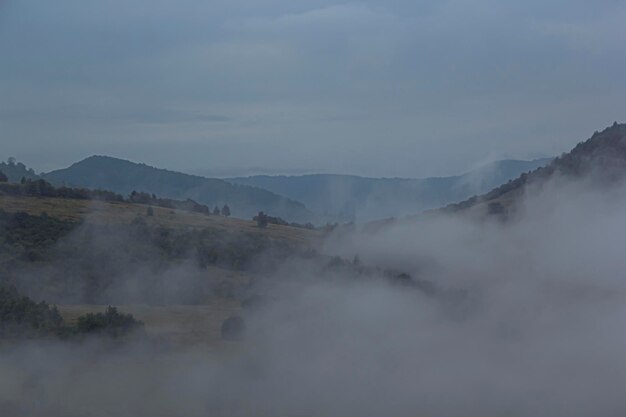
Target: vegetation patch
23 318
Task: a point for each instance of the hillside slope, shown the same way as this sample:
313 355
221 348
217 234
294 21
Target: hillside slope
123 177
69 250
602 158
349 198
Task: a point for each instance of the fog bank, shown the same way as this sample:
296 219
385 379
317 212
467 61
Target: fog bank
538 330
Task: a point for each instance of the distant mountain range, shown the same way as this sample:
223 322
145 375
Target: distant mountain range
352 198
317 198
123 177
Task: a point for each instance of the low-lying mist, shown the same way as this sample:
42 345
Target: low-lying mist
537 329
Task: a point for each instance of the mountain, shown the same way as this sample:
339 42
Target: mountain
602 159
123 177
352 198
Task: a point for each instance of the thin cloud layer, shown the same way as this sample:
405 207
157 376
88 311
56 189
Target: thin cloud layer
379 88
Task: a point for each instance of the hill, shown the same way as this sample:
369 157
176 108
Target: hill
78 250
601 158
352 198
121 176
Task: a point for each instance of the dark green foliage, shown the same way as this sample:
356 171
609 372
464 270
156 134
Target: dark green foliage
42 188
225 210
110 323
24 235
216 211
22 317
263 220
3 177
188 204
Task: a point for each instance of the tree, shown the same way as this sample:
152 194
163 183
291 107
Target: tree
216 211
225 210
111 322
261 220
22 317
150 211
3 177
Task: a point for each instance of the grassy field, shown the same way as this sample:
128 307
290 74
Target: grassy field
114 212
181 325
176 324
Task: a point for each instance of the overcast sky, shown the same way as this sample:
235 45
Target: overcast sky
382 88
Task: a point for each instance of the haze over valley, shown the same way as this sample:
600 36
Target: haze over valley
438 230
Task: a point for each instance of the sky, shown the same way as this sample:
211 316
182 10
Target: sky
404 88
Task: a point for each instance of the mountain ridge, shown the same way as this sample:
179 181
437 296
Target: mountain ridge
339 197
124 176
602 157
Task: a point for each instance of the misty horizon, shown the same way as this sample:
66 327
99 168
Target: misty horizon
318 208
393 89
231 172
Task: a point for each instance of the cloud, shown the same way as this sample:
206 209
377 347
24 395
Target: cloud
402 81
593 34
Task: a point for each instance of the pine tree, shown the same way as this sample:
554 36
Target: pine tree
261 220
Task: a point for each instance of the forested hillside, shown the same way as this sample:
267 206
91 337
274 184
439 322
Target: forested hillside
601 158
124 177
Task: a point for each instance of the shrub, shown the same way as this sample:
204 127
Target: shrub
110 323
22 317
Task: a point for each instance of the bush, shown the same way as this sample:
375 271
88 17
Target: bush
110 323
22 317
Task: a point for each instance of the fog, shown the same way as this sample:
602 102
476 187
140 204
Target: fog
535 328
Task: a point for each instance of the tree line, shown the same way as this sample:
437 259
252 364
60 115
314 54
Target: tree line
263 220
21 317
42 188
